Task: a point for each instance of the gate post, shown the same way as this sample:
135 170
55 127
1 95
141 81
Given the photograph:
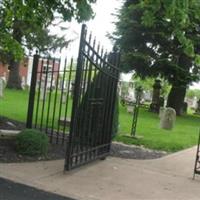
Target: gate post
76 93
29 119
114 59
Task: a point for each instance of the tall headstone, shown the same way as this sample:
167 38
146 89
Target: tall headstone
155 104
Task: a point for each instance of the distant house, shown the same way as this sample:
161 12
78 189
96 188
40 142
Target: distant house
47 72
4 71
25 70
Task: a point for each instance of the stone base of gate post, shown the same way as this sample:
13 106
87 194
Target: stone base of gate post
137 137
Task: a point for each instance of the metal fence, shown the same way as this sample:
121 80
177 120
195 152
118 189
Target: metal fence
93 105
74 104
50 99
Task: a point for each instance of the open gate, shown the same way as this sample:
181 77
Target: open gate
93 106
75 106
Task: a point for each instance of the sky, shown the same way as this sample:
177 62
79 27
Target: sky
99 26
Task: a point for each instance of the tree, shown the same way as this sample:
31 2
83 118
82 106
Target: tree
147 84
24 25
161 38
191 93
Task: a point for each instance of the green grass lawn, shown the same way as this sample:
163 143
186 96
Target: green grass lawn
14 105
184 134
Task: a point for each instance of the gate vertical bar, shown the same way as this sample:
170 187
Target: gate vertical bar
197 158
114 61
94 100
29 119
75 97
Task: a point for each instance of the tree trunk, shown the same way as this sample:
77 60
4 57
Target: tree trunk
176 98
179 84
14 80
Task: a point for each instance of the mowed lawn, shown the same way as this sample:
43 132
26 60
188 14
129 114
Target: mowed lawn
185 133
14 104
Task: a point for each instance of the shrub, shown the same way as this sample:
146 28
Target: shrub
32 142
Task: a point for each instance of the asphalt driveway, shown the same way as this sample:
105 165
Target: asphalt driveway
15 191
166 178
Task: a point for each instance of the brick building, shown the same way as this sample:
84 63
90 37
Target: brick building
4 71
25 69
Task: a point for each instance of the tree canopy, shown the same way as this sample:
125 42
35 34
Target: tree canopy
24 25
161 38
147 85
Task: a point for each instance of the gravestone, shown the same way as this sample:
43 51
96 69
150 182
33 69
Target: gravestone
64 121
155 104
72 89
161 111
194 103
184 108
130 108
64 95
197 111
147 96
43 91
23 82
1 86
167 118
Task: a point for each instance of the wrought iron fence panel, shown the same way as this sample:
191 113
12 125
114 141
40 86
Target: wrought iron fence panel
93 103
75 105
50 97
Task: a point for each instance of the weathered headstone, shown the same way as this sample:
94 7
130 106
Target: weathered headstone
64 121
1 86
155 104
147 96
131 94
23 82
72 89
64 96
42 91
168 117
161 111
194 103
197 111
130 108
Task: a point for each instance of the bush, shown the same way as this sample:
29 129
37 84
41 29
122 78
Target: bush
32 142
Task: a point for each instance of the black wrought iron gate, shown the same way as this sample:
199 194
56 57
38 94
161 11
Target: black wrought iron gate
93 105
89 92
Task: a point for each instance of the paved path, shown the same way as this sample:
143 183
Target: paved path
15 191
167 178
